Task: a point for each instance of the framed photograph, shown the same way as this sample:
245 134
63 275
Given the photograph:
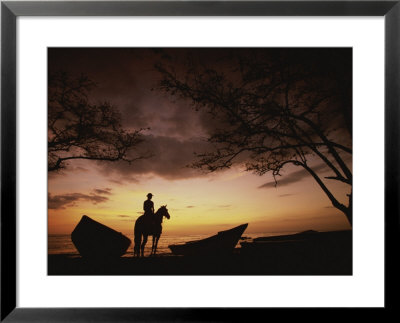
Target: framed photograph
194 161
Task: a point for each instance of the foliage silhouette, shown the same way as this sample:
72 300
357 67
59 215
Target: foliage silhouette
275 107
78 129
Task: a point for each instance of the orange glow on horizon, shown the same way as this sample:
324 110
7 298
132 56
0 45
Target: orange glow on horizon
199 205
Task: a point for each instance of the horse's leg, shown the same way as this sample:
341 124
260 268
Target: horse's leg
136 247
143 244
155 247
138 242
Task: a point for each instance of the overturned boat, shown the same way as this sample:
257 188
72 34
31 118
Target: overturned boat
222 243
96 241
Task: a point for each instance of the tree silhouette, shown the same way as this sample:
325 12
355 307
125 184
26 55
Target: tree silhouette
78 129
275 107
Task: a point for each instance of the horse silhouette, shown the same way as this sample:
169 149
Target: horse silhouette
145 226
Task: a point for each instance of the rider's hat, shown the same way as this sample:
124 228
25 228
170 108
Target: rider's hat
149 195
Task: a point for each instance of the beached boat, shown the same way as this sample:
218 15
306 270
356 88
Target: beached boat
310 242
95 240
222 243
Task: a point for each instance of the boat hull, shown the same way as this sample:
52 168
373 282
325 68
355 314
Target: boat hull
222 243
97 241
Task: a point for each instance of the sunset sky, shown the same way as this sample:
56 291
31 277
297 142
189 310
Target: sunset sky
199 203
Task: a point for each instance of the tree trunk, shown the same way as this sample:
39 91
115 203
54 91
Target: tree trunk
349 210
349 215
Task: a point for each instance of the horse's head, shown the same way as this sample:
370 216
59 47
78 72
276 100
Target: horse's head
164 211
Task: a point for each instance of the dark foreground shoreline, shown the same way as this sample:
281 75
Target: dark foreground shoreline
317 254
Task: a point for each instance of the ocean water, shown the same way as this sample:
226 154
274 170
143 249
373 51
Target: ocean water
62 244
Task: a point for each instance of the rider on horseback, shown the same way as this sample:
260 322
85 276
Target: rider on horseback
149 224
148 207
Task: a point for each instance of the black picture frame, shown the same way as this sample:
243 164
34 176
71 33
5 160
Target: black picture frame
10 10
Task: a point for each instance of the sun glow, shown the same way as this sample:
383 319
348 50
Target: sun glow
203 205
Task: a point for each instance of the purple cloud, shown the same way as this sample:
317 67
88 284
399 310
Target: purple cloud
71 199
294 177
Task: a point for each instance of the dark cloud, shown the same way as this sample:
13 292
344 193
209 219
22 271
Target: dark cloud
124 180
285 195
224 206
69 200
169 159
124 216
105 191
127 77
129 80
294 177
190 206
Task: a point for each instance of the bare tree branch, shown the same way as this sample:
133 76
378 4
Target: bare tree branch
78 129
274 111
